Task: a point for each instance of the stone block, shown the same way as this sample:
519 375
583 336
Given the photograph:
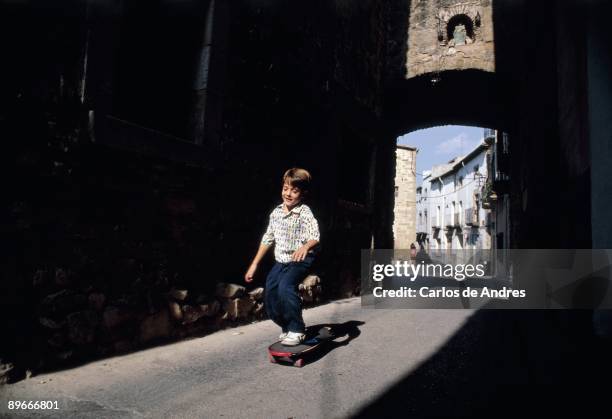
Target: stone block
259 311
239 308
228 290
191 314
311 281
178 295
156 326
257 294
306 297
211 309
175 310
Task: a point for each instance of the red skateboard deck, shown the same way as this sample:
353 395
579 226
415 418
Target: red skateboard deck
296 355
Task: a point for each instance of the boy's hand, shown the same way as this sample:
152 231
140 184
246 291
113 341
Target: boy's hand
300 254
248 276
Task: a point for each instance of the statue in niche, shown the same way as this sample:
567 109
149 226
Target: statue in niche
460 37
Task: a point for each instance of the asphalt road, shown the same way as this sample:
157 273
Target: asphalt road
227 374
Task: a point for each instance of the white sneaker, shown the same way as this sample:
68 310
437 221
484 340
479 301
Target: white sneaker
282 336
293 339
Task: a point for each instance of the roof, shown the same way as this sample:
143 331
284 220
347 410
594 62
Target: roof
407 147
440 169
443 169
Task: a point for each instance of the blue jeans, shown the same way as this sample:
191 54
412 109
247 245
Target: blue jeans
282 300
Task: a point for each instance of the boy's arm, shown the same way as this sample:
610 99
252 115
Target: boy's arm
310 244
268 237
266 242
300 254
263 249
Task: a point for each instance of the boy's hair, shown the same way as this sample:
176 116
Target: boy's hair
298 178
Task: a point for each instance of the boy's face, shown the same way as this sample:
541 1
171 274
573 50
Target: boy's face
292 195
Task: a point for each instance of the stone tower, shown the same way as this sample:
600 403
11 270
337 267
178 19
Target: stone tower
404 223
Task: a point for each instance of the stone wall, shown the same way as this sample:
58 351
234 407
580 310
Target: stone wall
433 26
404 223
79 322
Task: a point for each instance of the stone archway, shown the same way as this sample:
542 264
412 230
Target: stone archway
469 97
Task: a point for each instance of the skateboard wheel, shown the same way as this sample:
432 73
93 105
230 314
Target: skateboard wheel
299 363
271 358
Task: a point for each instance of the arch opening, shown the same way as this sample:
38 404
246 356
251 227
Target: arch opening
450 189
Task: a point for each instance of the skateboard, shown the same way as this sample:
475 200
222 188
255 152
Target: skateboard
295 355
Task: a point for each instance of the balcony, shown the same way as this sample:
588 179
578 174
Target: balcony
489 196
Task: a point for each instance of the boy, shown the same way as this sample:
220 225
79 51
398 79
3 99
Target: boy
294 231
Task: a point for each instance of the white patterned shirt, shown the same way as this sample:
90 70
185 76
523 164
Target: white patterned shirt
288 232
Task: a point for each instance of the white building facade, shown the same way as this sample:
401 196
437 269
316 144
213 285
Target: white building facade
449 213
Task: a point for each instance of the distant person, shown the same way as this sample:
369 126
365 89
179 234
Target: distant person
294 231
413 251
423 256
